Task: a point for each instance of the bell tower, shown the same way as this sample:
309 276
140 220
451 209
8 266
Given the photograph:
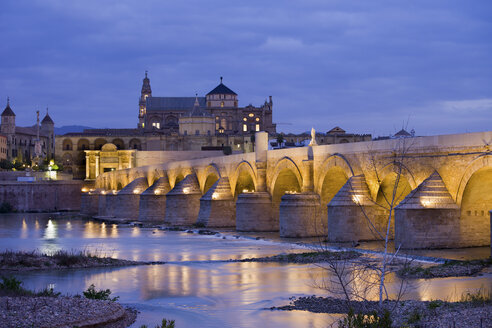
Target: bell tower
142 104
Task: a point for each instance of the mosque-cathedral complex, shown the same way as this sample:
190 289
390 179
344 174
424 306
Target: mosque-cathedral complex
215 122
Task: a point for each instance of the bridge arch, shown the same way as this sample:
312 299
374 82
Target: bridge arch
375 179
475 204
285 164
333 161
243 178
286 178
209 176
482 161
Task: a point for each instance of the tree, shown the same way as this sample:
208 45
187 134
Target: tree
356 279
280 140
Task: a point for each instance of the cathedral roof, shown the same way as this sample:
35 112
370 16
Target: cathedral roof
402 133
47 120
173 103
8 111
197 110
221 89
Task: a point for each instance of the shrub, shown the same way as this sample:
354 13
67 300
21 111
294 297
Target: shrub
361 320
6 207
434 304
11 284
164 324
104 295
479 297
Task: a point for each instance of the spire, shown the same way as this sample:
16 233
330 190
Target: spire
8 111
221 79
197 111
47 119
146 90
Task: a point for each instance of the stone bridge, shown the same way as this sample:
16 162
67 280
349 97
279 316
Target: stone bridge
439 187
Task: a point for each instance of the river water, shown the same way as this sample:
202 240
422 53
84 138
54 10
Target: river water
194 288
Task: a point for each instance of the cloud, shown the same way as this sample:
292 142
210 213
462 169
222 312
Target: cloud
365 66
467 107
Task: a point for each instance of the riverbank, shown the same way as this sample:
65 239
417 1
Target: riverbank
63 311
29 261
474 310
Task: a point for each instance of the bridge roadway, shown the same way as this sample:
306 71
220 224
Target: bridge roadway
441 186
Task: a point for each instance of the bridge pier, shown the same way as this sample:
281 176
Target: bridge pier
217 207
152 205
299 216
428 217
349 211
254 212
183 202
128 199
89 204
107 200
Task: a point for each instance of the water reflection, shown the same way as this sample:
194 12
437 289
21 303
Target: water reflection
24 230
199 292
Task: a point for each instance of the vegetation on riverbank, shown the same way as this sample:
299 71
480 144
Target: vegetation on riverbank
306 257
26 261
46 308
473 309
448 269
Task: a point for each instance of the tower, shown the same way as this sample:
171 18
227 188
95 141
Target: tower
8 120
7 128
48 129
142 104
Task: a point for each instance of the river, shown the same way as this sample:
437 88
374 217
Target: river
194 287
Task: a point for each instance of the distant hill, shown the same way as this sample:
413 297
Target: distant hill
70 128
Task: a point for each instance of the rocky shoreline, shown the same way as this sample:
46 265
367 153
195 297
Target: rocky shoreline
305 257
471 312
448 269
63 312
30 261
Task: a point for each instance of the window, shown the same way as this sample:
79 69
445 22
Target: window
245 128
217 126
216 118
221 104
223 123
156 125
197 132
208 132
251 114
185 132
245 119
257 127
257 119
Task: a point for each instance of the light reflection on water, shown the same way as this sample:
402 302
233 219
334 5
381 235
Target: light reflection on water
199 293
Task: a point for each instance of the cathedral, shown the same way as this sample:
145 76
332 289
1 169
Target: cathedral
213 122
165 115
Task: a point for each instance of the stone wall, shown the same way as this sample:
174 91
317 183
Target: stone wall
41 196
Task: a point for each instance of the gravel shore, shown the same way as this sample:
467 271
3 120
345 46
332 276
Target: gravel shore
424 314
62 312
448 269
306 257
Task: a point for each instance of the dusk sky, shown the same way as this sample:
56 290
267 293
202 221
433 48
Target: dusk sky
366 66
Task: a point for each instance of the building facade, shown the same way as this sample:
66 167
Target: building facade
213 122
21 141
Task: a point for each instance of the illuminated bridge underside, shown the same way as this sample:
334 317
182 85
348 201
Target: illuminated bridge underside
443 194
